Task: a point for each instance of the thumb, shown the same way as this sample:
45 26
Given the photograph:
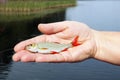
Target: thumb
52 28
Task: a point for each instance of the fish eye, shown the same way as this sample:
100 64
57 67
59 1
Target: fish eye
33 45
30 45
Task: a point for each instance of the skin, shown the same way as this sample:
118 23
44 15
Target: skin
99 45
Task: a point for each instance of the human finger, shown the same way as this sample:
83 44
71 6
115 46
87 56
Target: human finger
52 28
17 57
52 57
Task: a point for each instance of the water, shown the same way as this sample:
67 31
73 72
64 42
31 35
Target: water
99 15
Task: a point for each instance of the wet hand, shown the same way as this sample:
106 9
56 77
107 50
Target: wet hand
62 32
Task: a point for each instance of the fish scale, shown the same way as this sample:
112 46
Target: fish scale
51 47
47 47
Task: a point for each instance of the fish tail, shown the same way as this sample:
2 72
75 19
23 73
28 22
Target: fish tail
75 41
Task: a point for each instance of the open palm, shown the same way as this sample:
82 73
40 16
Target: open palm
62 32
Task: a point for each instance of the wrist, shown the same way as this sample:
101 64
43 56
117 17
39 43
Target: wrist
97 48
108 45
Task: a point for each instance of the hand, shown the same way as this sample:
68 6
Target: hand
62 32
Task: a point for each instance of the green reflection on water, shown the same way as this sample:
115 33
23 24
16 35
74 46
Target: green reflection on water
7 17
33 5
17 27
15 10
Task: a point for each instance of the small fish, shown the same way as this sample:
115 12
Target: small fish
51 47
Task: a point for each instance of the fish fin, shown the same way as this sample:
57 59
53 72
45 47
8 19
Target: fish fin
64 49
75 41
54 52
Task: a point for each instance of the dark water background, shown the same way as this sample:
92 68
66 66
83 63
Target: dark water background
99 15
